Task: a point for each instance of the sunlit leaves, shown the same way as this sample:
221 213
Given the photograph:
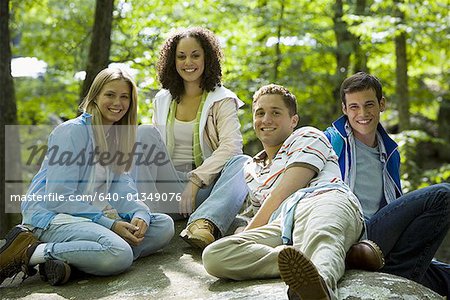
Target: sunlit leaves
59 31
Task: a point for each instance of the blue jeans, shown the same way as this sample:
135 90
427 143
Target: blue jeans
97 250
409 231
219 202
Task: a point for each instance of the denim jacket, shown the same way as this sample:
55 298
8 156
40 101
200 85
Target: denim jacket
342 140
70 175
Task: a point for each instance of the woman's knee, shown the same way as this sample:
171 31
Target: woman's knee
165 228
114 259
237 161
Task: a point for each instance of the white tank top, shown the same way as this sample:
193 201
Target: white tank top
183 153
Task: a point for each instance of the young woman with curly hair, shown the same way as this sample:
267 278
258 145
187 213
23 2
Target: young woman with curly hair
196 125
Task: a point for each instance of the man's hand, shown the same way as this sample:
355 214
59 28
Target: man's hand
125 230
187 202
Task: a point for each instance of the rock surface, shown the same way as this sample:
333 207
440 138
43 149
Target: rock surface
177 273
360 285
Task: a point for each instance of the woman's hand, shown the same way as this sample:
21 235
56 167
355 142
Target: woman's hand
126 231
139 233
187 202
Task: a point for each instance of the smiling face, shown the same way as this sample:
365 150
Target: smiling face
190 60
363 111
272 122
113 101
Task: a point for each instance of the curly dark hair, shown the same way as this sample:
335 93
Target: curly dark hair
166 68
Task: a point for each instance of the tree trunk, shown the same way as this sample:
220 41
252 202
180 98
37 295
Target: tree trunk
100 44
401 70
277 45
360 56
8 109
444 127
344 44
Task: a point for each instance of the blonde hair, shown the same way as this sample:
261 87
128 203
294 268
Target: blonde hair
123 137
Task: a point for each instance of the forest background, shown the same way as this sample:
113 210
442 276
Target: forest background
307 46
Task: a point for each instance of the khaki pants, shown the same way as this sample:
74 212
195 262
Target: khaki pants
325 226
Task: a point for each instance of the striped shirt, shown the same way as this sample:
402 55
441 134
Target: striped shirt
305 147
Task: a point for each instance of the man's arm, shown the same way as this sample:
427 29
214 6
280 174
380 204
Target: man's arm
294 178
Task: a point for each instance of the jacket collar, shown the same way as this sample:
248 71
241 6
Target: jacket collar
85 118
341 125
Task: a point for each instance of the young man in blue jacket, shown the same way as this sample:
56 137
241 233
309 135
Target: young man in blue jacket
408 228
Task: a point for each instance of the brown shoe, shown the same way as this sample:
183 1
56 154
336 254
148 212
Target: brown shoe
16 252
199 233
364 255
302 277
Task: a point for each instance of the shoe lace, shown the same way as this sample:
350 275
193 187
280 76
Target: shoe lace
209 225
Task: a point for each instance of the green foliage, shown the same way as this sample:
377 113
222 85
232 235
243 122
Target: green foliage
292 43
427 31
55 31
414 172
436 176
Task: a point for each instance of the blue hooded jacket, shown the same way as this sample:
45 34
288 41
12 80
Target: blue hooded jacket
340 136
70 181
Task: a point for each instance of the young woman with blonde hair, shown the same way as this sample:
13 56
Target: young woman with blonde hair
97 225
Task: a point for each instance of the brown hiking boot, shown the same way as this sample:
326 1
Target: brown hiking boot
199 233
302 277
364 255
16 252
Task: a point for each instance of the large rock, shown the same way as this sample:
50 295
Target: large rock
178 273
359 285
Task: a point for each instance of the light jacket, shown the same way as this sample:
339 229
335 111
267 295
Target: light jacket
66 180
219 129
343 142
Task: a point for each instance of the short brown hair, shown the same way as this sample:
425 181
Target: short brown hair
361 82
273 89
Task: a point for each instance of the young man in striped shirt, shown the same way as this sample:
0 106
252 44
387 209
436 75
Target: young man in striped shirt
306 218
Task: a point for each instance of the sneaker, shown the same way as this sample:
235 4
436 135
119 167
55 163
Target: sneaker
199 233
16 252
302 277
56 272
364 255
